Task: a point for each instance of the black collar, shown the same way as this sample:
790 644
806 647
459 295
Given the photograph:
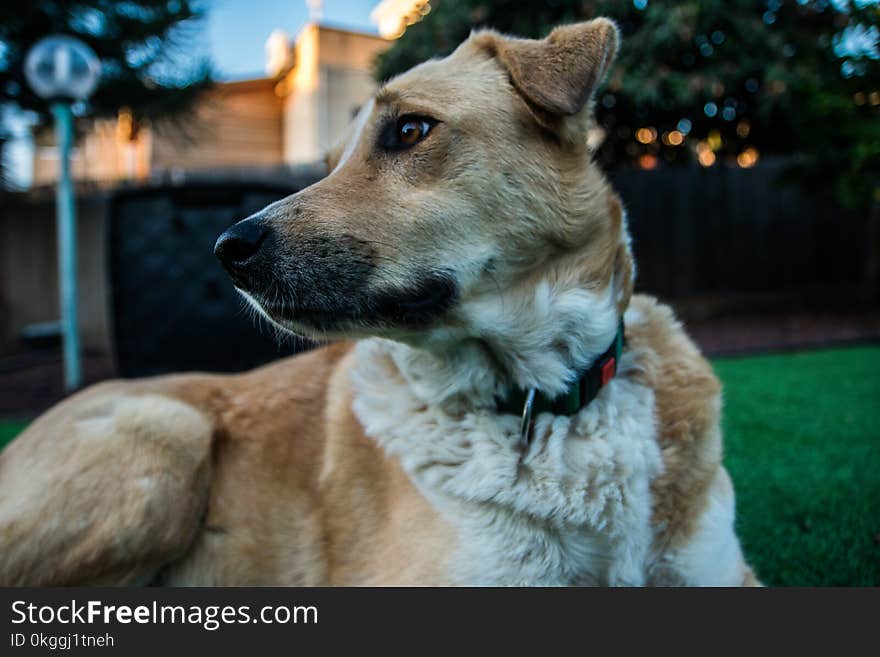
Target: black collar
529 403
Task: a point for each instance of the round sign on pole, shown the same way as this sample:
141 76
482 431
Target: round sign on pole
62 68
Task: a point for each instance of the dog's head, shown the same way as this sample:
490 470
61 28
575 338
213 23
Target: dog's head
463 179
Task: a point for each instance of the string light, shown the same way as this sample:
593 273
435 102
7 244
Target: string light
748 158
648 161
646 135
673 138
705 156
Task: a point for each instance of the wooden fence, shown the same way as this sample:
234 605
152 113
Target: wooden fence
725 234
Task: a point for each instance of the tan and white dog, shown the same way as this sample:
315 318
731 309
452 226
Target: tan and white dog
469 244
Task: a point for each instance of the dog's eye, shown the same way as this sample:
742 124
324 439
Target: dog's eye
405 132
411 131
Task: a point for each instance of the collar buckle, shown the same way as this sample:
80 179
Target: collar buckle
527 424
580 393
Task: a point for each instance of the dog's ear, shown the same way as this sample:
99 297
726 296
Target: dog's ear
557 75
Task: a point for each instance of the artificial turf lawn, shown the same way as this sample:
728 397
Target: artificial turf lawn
802 441
9 429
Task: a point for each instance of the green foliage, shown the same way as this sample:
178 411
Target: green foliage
142 44
802 442
780 76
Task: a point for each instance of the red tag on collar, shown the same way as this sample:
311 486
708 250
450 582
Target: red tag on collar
608 370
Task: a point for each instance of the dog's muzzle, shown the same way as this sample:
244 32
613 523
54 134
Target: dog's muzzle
241 249
322 282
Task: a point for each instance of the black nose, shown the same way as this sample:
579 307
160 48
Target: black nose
240 242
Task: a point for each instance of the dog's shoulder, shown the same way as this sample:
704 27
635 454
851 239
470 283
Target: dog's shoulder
688 409
680 375
272 438
307 370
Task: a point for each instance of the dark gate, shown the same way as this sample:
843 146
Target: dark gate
174 307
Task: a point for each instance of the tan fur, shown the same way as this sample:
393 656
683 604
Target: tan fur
688 409
105 488
268 477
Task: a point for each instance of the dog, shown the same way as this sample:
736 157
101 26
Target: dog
495 406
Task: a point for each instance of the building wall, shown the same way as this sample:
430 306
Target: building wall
29 269
98 157
239 124
331 79
347 90
302 89
253 123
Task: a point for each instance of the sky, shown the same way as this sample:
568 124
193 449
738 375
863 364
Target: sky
236 30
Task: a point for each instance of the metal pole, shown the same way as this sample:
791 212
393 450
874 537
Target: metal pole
66 225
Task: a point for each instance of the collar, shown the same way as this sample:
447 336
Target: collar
532 402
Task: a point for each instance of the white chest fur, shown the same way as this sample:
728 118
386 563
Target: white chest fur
574 509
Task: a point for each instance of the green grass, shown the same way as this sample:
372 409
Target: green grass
802 440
